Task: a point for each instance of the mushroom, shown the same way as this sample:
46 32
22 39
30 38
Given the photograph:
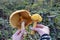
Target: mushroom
18 16
36 18
20 19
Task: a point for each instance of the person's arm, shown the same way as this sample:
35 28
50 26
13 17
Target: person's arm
43 31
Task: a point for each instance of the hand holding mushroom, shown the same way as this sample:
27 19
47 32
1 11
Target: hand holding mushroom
41 29
19 20
36 18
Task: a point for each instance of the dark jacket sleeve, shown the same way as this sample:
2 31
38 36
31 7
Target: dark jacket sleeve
45 37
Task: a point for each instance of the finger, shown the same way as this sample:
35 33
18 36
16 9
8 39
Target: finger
19 32
22 33
35 29
38 26
16 33
41 26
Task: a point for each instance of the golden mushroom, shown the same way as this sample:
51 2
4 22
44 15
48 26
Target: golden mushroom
36 18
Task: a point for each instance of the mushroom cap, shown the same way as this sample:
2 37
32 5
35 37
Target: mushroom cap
36 17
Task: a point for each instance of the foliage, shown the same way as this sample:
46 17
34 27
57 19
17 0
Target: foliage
43 7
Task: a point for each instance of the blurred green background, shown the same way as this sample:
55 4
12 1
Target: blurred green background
45 8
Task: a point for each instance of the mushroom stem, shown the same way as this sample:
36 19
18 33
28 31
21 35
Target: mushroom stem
34 26
23 28
23 25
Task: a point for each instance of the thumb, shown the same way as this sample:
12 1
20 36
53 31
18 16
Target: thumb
36 29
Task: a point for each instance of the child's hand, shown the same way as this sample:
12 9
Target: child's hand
41 29
18 35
